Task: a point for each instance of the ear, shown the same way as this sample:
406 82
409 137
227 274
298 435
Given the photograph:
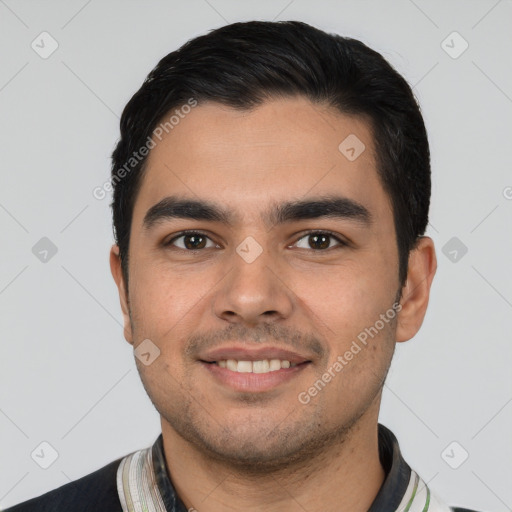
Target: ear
416 291
117 274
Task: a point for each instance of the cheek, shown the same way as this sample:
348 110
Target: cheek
345 301
160 296
165 303
348 312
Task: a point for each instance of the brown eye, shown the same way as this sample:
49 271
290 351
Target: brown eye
191 241
194 241
318 241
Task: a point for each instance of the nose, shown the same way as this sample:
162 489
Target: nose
254 291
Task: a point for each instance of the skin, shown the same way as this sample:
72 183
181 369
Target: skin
227 449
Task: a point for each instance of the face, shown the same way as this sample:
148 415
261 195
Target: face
260 258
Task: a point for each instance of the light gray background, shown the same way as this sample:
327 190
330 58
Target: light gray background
67 375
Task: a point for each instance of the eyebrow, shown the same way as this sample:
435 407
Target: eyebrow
336 207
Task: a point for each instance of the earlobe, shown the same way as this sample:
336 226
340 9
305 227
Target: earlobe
117 274
416 291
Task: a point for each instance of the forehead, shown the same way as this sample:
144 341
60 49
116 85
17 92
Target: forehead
283 149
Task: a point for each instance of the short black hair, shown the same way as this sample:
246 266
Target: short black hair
243 64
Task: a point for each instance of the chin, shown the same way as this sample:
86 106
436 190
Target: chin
255 446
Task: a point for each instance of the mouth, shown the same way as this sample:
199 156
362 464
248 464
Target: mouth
260 366
258 370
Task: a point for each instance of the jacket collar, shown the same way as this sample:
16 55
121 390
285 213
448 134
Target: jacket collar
144 484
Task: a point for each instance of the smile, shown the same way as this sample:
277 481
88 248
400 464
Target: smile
262 366
253 376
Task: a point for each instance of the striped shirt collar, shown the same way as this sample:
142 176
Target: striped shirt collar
144 485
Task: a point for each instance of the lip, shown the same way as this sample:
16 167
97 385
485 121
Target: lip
253 382
256 354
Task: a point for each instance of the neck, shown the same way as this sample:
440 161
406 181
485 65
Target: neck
346 476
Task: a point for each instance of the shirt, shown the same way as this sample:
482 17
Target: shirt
140 482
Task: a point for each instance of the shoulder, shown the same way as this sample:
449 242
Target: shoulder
93 492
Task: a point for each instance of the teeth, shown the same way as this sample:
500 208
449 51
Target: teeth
275 364
260 366
244 367
263 366
232 365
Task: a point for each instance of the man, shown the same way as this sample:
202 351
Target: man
271 193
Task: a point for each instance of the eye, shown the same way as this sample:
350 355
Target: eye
195 240
318 240
191 241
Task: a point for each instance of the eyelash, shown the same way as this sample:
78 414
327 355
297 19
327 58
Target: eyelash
341 243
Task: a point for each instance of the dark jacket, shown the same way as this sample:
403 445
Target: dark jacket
96 492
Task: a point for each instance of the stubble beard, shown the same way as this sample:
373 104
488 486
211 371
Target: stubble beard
257 447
